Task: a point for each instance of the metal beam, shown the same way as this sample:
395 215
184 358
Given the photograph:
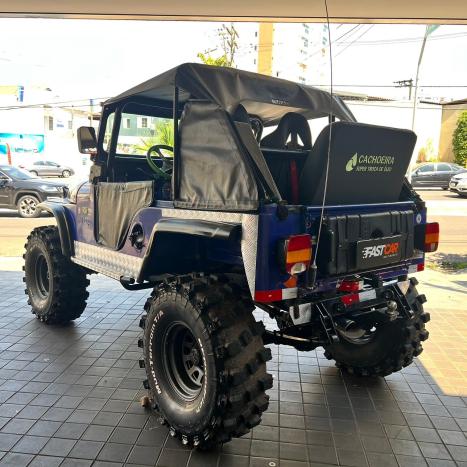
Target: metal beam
340 11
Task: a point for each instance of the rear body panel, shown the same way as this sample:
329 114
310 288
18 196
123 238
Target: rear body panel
262 234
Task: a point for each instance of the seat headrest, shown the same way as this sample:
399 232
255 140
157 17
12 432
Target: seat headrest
292 125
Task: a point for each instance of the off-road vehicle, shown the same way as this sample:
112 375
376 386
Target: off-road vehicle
244 209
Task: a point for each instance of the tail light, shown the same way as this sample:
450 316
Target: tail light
431 237
297 253
350 286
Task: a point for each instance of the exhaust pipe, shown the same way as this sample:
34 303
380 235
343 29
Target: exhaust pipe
349 328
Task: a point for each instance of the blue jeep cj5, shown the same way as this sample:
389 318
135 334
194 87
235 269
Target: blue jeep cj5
208 188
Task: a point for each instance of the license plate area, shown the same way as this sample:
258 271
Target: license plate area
378 251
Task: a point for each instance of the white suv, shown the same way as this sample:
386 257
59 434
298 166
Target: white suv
458 184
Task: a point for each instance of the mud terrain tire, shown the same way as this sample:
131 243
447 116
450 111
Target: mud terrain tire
56 287
393 347
229 398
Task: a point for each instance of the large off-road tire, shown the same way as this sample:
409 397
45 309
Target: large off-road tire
205 359
392 347
56 287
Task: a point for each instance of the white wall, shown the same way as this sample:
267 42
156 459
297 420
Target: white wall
399 115
60 144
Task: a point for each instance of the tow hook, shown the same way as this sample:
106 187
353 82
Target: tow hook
392 310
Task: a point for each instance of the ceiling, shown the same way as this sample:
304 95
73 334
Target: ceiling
361 11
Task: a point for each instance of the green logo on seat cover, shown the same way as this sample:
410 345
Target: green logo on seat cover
352 163
370 163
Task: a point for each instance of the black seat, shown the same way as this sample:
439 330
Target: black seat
367 164
293 126
292 134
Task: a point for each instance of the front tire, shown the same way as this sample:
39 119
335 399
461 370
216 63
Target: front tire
205 360
393 346
66 173
27 206
56 287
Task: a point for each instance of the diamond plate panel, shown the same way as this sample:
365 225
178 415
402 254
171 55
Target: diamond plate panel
249 240
108 262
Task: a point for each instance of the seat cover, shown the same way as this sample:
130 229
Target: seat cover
367 164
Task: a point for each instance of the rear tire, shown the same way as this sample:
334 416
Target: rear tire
220 343
33 172
66 173
393 346
56 287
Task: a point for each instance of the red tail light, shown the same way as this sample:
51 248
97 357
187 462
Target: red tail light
431 237
350 286
297 253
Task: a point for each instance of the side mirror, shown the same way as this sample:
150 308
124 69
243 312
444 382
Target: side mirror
3 181
87 140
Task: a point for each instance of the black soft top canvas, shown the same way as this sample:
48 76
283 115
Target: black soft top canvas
266 97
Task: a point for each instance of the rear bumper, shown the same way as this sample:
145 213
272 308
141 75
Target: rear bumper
327 285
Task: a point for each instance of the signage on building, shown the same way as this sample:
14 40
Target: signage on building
22 143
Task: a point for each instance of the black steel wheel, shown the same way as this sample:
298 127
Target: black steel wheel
183 363
205 359
387 348
56 287
27 206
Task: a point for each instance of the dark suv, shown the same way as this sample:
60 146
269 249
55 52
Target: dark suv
22 191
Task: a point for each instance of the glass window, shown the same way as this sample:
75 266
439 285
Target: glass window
143 132
16 173
49 123
108 131
444 168
427 168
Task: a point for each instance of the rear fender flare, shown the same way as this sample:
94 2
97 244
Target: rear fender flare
191 227
64 225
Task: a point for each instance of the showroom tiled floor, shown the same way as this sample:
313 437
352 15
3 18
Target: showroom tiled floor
70 396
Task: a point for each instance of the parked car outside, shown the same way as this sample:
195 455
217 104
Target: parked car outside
22 191
49 169
431 174
458 184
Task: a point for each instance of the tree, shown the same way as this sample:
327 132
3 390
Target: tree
163 134
459 140
227 36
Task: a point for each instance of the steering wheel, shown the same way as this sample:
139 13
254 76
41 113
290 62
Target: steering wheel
167 161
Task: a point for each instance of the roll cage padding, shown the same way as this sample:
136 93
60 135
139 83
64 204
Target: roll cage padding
64 225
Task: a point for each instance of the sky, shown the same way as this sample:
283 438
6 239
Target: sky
83 59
